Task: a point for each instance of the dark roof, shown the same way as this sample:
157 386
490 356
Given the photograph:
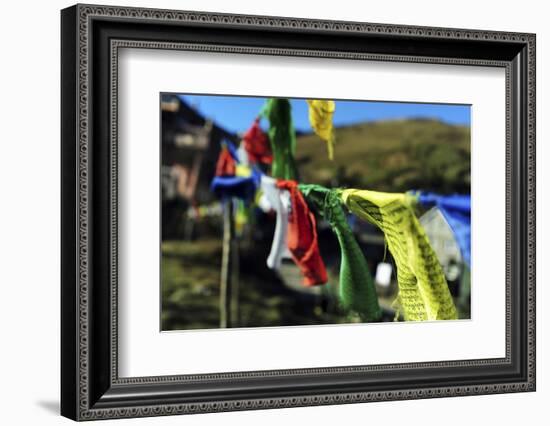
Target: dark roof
179 117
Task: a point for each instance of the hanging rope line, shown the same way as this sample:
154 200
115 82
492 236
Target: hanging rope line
423 292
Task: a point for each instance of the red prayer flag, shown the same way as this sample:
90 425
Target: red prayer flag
302 237
257 145
226 163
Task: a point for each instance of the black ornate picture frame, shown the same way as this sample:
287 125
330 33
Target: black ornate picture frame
90 39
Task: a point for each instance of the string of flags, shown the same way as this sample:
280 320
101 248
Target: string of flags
423 293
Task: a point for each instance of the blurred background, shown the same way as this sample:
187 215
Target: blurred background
381 146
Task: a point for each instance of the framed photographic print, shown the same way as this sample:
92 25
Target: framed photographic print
263 212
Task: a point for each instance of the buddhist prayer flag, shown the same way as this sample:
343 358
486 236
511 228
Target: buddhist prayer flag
256 144
282 137
320 118
356 291
225 166
233 179
276 202
302 236
456 211
234 186
423 290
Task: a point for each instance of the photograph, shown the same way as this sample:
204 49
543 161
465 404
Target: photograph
266 209
281 212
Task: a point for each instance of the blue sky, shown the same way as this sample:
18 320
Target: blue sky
236 113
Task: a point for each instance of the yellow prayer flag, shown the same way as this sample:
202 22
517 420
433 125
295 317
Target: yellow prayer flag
423 290
320 118
242 170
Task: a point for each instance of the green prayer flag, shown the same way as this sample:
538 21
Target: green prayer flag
282 137
423 290
356 289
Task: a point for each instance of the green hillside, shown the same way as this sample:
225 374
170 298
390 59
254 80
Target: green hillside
394 156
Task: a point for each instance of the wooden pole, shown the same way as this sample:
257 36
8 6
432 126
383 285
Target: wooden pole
227 265
234 303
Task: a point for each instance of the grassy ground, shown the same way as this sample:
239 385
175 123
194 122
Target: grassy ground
191 283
